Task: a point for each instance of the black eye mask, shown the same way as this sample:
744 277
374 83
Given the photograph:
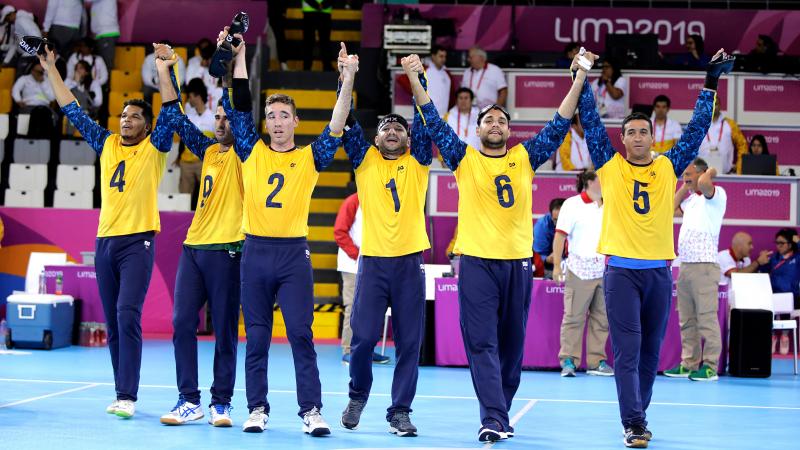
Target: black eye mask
35 45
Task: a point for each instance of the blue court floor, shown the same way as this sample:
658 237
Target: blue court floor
57 400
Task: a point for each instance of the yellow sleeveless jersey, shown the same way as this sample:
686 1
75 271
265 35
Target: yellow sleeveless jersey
392 197
638 209
129 179
277 191
218 215
495 219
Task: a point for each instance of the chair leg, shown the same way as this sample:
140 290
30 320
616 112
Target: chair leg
794 345
386 327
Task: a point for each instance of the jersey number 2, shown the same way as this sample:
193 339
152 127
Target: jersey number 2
275 177
118 179
644 208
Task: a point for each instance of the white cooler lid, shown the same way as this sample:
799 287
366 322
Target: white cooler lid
39 299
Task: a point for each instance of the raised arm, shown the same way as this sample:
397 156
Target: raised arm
689 144
325 146
450 145
238 104
92 133
421 144
600 148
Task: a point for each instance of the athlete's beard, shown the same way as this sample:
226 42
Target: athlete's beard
395 152
493 145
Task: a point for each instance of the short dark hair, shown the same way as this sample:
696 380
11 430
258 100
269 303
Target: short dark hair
699 44
662 98
197 87
637 116
570 47
147 110
700 164
282 98
788 234
488 108
555 204
436 48
467 90
583 178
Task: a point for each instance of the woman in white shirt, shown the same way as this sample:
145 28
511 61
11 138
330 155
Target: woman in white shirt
611 92
86 89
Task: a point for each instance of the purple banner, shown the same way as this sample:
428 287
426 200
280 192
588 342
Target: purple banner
781 142
759 200
540 91
548 29
682 91
771 95
544 324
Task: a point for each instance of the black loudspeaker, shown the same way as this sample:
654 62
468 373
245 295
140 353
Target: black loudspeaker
751 343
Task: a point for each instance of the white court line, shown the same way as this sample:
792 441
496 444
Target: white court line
33 399
432 397
516 418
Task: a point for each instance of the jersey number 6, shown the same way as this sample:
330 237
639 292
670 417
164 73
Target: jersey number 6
502 189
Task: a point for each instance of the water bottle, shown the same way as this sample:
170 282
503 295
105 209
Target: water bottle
42 283
59 283
3 333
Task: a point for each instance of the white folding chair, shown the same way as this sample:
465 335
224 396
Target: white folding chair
27 177
72 200
19 198
75 178
174 202
783 303
170 181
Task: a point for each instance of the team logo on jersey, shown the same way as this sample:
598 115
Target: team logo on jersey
401 168
146 244
652 173
511 165
525 265
292 165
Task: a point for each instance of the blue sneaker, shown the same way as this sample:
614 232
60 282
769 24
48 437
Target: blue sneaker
220 415
568 369
346 359
377 358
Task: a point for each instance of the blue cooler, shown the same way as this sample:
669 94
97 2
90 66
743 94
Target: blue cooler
39 320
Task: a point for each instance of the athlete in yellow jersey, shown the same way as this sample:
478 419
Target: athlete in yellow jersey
392 182
494 236
209 265
276 264
131 165
638 196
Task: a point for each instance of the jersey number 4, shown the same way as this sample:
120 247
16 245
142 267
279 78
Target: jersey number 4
118 178
644 208
275 178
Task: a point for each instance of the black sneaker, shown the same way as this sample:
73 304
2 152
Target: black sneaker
648 434
400 424
510 432
352 414
635 437
491 432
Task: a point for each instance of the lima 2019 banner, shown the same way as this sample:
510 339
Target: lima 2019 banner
549 29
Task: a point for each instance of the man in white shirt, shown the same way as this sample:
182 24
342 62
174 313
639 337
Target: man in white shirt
198 112
719 147
439 79
85 52
573 154
485 80
105 27
150 74
17 23
610 92
702 206
62 23
463 118
32 90
736 259
579 223
666 131
197 67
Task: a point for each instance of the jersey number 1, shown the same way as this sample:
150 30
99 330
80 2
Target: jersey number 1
391 185
118 179
638 194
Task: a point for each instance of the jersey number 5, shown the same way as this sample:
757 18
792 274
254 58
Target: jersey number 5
644 208
275 177
502 189
118 179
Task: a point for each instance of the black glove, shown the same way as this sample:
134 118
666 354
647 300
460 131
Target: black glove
224 53
720 65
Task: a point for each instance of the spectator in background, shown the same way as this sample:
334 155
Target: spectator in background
105 27
485 80
784 274
62 24
347 233
317 18
736 259
32 90
545 230
17 23
150 74
276 10
441 88
463 118
85 52
666 131
197 67
610 91
695 57
580 223
573 154
724 143
570 50
764 56
86 90
758 146
202 117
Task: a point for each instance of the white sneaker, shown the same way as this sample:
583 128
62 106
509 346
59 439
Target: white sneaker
112 408
314 424
125 409
257 421
183 411
220 415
